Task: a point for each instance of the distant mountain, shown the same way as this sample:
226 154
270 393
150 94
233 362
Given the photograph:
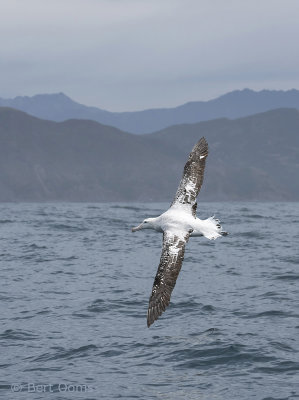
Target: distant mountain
59 107
252 158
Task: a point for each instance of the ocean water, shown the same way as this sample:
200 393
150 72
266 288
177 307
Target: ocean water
75 284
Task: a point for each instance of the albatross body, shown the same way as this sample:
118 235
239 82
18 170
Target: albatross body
178 224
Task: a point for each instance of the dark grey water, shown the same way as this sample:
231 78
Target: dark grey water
75 284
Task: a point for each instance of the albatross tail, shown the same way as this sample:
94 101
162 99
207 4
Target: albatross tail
212 229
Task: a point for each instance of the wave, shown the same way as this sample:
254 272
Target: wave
62 353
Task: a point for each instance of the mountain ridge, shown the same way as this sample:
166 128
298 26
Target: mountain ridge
253 158
240 103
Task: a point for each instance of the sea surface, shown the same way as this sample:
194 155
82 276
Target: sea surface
75 284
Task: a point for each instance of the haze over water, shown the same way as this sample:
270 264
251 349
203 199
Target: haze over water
75 290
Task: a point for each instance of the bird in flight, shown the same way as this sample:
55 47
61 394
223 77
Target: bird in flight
177 224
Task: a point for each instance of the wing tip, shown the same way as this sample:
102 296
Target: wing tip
155 311
203 146
200 149
152 315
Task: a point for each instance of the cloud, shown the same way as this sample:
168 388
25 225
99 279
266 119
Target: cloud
133 54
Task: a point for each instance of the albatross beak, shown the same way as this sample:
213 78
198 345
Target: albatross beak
137 228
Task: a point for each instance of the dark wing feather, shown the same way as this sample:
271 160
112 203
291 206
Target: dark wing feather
192 179
168 271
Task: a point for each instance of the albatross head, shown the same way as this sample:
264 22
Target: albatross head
148 223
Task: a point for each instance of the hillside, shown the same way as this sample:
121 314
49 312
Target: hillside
252 158
59 107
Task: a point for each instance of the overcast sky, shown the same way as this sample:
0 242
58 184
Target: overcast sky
134 54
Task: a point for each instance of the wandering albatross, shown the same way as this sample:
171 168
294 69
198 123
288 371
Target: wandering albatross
177 224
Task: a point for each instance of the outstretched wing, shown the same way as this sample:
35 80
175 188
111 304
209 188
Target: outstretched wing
168 271
192 179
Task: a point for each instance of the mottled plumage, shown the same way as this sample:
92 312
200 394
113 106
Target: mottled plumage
178 223
170 265
192 179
